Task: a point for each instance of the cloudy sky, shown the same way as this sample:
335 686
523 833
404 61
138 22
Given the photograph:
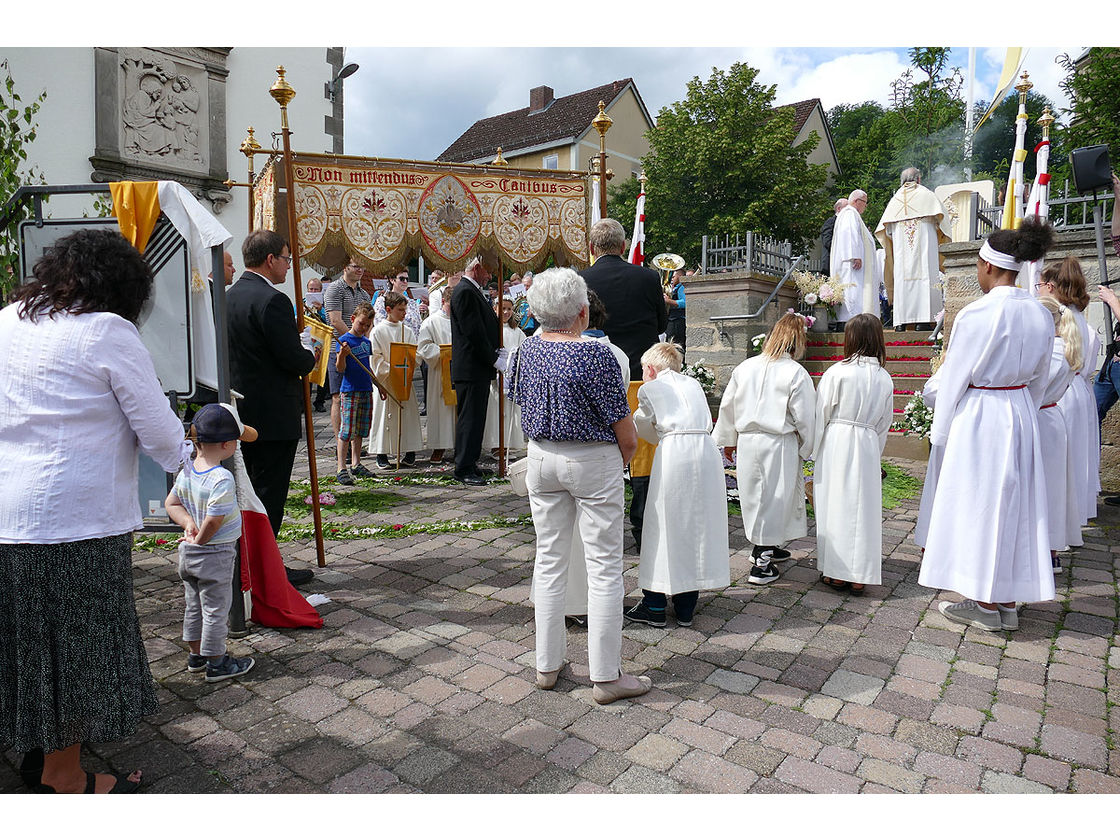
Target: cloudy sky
414 102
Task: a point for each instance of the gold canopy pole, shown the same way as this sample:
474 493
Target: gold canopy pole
501 161
602 124
283 93
249 147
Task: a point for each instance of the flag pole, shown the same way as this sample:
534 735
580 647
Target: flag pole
500 161
602 125
283 93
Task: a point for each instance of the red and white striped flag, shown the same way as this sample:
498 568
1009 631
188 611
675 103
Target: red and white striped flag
638 241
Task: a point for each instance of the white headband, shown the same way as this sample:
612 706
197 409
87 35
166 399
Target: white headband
997 258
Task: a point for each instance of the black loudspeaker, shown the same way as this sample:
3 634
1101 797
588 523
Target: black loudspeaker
1091 168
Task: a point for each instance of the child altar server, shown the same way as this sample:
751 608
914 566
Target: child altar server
855 406
684 542
768 414
393 423
1063 518
988 537
512 337
436 330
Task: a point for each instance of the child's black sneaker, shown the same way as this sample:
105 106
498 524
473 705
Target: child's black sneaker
641 613
762 575
228 667
196 663
360 471
777 554
383 462
409 459
344 477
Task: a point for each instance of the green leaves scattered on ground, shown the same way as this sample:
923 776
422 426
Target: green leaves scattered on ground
898 486
355 501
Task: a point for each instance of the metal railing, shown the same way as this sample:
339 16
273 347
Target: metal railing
750 316
1067 212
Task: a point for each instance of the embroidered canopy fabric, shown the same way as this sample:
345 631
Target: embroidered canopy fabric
384 212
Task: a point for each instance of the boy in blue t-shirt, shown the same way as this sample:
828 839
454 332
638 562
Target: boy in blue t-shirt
352 360
204 503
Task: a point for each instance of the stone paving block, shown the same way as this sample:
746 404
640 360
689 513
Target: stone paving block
958 717
919 668
927 736
1069 744
536 737
904 705
278 733
776 693
882 747
914 688
995 782
732 681
656 751
990 754
353 726
550 780
891 775
1085 701
791 743
867 718
947 769
816 778
709 774
1046 771
424 765
638 779
736 725
937 786
853 688
755 757
1090 678
313 703
1091 781
709 740
606 732
839 758
603 768
319 759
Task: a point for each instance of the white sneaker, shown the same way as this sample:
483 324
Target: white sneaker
968 612
1009 618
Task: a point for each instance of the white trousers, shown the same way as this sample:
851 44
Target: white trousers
572 482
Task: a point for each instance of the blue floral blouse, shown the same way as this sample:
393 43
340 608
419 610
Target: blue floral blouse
567 390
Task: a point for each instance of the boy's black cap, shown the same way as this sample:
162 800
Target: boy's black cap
218 422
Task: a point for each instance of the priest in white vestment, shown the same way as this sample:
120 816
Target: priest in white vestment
855 407
436 330
852 259
684 535
768 413
912 228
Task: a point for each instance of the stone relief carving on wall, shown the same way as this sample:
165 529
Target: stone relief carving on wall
161 110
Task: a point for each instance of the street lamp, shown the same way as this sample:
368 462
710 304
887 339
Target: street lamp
335 85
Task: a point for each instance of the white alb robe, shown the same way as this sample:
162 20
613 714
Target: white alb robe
917 295
684 537
512 338
855 407
933 465
436 330
1054 439
988 536
388 419
1079 408
768 412
852 240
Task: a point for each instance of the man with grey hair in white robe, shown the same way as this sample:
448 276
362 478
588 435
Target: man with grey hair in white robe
912 228
852 260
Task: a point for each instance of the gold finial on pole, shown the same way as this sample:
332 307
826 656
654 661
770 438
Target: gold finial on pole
1023 87
499 160
642 180
249 146
602 124
283 93
1046 120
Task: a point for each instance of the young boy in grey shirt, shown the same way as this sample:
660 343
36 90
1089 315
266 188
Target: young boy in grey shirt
204 503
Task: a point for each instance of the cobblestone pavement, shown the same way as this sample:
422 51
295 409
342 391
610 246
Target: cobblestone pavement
422 679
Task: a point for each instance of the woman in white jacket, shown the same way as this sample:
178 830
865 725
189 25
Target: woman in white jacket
855 405
767 414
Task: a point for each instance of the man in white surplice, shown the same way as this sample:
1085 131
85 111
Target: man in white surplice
852 259
913 226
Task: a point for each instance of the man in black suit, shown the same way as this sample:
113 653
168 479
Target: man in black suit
632 295
636 317
267 359
474 351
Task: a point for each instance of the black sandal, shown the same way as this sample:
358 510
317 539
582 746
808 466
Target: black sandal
832 583
121 785
31 768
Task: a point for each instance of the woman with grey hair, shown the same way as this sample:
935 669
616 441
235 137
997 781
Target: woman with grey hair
575 414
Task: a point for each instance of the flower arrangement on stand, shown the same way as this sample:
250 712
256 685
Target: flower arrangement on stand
917 418
816 290
757 342
702 374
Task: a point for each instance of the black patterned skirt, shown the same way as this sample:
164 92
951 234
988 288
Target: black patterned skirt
72 664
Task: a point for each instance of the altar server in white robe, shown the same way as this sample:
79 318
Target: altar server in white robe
1066 282
436 330
768 413
393 423
912 228
1052 430
852 259
988 537
933 465
684 534
855 406
512 337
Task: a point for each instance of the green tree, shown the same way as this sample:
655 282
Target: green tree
17 133
723 160
1093 88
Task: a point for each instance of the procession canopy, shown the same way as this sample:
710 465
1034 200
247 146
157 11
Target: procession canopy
383 213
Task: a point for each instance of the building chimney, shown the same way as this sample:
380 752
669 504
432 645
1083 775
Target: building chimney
540 98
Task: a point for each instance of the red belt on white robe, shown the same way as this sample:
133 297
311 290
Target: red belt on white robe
998 387
1049 405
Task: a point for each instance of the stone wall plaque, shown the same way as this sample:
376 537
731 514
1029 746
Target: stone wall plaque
160 115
